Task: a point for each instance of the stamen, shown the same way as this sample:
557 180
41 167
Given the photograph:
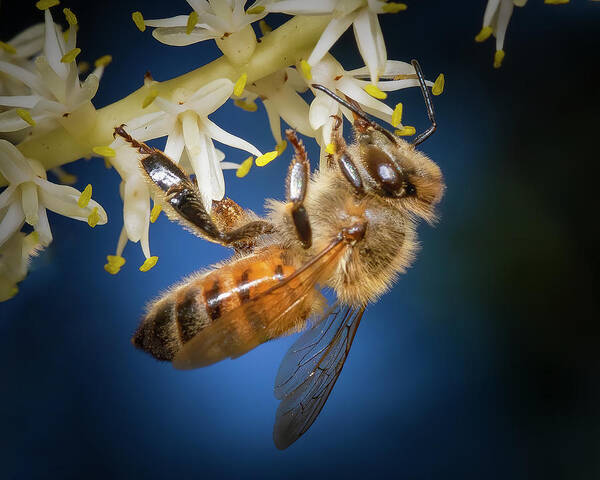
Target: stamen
64 177
255 10
25 115
104 151
148 264
484 34
244 168
240 84
103 61
397 115
393 7
330 148
406 131
115 262
556 2
498 57
46 4
438 85
150 97
306 69
71 55
248 106
85 196
8 48
374 91
264 27
156 209
281 146
70 16
94 218
191 22
138 19
266 158
83 67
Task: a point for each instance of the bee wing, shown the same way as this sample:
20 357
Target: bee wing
309 371
254 322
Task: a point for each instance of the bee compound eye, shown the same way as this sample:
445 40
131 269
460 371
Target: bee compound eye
385 172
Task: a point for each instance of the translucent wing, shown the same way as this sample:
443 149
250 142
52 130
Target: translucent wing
309 371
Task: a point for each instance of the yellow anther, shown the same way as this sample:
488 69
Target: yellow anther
156 209
397 115
374 91
138 19
240 84
83 67
266 158
330 148
498 57
191 22
71 55
85 196
150 97
556 2
25 115
484 34
306 69
244 168
94 218
70 16
111 269
393 7
7 48
148 264
104 151
115 262
45 4
264 27
248 106
66 178
103 61
438 85
280 147
255 10
405 131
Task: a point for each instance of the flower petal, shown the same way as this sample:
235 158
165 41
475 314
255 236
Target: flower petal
6 196
52 47
370 43
29 202
490 10
13 220
504 14
22 101
13 165
177 21
305 7
226 138
210 97
43 227
330 35
175 143
320 110
178 36
136 207
274 120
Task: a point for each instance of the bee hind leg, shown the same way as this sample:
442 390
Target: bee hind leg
296 185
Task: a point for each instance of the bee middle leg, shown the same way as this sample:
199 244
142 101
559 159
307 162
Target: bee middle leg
296 184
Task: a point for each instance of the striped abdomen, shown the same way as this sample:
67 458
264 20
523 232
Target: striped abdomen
176 318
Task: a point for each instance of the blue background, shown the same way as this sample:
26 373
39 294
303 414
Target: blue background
481 363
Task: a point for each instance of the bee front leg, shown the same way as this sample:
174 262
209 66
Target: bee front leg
296 185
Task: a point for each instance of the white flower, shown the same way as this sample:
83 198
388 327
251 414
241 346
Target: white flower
55 89
14 261
29 194
362 14
495 21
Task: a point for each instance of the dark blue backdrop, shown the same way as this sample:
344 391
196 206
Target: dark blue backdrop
481 363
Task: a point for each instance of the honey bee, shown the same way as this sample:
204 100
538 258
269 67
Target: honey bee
349 227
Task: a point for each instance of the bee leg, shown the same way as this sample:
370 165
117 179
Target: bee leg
343 159
296 184
421 137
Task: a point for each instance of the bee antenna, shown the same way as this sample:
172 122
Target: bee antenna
428 104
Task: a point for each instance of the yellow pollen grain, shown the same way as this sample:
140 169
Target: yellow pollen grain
156 209
94 218
25 115
266 158
393 7
104 151
374 91
240 84
397 115
255 10
244 168
556 2
264 27
103 61
248 106
148 264
498 57
150 97
306 69
138 19
330 148
45 4
484 34
70 16
438 85
71 55
191 22
280 147
85 196
8 48
406 131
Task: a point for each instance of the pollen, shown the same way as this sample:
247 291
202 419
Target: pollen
85 196
264 27
397 115
8 48
248 106
393 7
191 22
406 131
138 19
484 34
25 115
46 4
306 69
70 16
438 85
244 168
255 10
240 84
103 61
148 264
156 209
115 262
104 151
330 148
498 57
94 218
556 2
150 97
266 158
280 147
374 91
71 55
